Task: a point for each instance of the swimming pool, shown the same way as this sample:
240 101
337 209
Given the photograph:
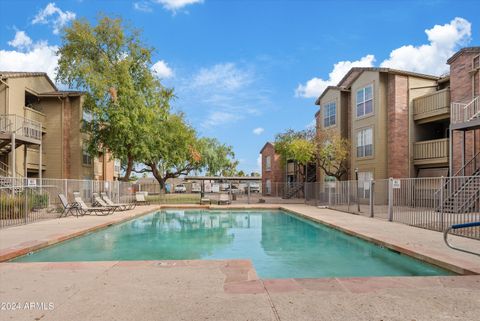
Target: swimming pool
280 245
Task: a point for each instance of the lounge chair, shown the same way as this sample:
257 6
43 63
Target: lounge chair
122 206
68 207
140 199
84 209
224 199
98 201
205 201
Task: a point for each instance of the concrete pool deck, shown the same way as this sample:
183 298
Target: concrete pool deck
230 289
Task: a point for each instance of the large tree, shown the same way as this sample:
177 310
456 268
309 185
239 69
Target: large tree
175 150
297 146
123 98
332 152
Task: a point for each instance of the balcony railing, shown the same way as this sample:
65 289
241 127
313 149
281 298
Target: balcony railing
463 113
435 104
35 115
431 151
21 126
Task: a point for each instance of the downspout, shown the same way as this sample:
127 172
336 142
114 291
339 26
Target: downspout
62 137
7 96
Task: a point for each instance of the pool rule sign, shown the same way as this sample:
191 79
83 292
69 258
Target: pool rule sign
396 183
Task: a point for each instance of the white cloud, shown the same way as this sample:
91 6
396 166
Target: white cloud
218 118
142 6
258 131
162 70
226 93
21 41
175 5
431 58
224 76
55 16
259 162
428 58
40 57
315 86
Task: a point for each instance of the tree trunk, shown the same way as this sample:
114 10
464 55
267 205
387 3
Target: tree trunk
158 176
129 169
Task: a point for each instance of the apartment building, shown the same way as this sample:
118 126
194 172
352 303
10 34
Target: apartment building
387 116
405 124
40 131
272 171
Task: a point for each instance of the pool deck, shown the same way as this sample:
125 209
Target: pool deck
230 289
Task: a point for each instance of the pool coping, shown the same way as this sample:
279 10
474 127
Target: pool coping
11 253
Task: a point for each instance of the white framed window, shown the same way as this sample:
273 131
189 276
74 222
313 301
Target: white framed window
268 187
364 179
365 142
329 114
268 163
364 101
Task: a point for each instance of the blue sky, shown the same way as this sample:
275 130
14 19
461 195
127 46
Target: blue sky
246 70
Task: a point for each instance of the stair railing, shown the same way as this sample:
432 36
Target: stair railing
469 169
472 109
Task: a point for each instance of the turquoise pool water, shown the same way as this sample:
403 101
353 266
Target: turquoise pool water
280 245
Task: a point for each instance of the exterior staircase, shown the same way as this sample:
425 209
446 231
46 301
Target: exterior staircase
293 188
464 113
462 191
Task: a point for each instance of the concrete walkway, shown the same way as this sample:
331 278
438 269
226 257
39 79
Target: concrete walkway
223 290
230 289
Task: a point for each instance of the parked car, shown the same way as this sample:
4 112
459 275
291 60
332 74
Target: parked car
180 188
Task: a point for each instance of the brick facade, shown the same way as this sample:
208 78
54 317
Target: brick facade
275 174
397 126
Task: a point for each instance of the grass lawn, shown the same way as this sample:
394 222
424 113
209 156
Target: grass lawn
174 198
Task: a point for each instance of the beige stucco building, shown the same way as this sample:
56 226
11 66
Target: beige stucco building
40 126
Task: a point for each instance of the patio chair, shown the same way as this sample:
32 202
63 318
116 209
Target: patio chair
140 199
98 201
84 209
224 199
68 207
122 206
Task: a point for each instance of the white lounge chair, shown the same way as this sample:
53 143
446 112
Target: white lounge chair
140 199
122 206
84 209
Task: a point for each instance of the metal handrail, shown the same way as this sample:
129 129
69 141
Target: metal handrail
474 159
455 227
12 123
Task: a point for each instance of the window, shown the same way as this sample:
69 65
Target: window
365 143
329 114
268 163
364 101
86 158
364 179
268 187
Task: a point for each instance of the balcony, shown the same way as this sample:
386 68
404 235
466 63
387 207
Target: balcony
27 130
432 107
431 152
36 116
